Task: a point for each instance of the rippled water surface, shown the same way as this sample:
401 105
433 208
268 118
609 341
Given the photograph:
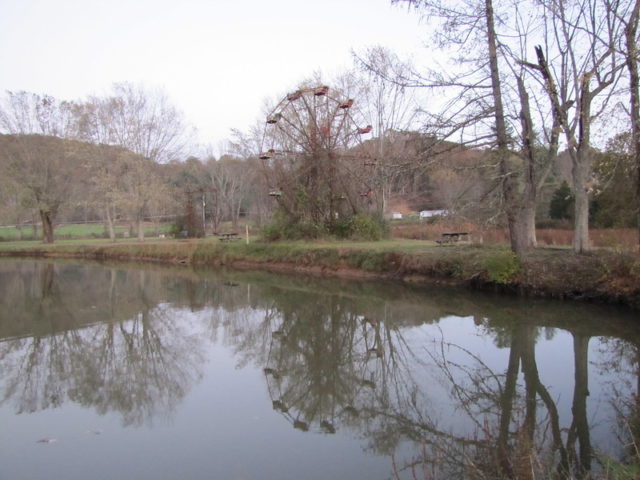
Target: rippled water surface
119 372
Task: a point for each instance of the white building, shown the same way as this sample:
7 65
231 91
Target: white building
433 213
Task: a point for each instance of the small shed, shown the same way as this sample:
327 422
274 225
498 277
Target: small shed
396 215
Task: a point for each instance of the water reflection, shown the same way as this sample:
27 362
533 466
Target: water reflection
400 369
99 338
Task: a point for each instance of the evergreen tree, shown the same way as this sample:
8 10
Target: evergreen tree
561 204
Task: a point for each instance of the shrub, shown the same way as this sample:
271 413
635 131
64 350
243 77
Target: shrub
181 225
367 227
342 228
284 228
501 266
361 227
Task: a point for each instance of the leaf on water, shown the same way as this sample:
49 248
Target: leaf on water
47 440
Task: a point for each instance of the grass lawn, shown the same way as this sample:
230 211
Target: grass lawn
83 231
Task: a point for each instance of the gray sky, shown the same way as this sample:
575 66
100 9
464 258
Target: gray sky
218 59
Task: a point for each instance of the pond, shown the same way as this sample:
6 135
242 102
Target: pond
127 372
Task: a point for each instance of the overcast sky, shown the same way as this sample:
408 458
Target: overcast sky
217 59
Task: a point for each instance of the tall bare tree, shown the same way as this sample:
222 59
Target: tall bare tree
391 108
577 71
139 188
139 121
631 57
581 67
485 96
36 156
245 146
232 179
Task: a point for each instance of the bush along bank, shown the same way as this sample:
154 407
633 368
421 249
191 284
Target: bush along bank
600 276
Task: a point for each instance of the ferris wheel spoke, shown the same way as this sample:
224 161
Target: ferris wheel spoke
297 141
341 125
310 111
297 129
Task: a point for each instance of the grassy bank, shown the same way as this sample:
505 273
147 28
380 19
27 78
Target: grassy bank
602 276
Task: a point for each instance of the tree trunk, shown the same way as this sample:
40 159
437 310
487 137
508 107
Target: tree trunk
34 227
525 227
580 172
235 215
526 442
112 297
503 451
47 226
48 277
526 214
110 227
634 90
140 226
532 380
509 185
579 407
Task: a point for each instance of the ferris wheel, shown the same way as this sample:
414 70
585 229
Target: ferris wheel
324 402
314 139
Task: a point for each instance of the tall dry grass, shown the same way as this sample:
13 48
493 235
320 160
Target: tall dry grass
617 238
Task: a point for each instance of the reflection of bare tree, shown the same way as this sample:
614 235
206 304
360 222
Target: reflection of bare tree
144 368
621 360
308 369
335 357
139 365
334 361
511 438
579 430
327 366
323 355
36 371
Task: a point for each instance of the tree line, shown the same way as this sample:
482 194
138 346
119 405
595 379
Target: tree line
525 94
113 158
527 80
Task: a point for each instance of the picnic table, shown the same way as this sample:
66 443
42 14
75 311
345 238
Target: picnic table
229 237
453 237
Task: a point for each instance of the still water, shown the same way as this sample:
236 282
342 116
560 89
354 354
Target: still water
118 372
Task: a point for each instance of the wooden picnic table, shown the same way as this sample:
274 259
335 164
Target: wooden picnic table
453 237
229 237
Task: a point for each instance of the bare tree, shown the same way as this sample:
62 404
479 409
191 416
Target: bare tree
580 67
495 100
246 146
24 113
479 91
231 180
139 188
36 156
140 120
631 57
391 108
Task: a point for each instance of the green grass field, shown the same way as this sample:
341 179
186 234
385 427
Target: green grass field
83 231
